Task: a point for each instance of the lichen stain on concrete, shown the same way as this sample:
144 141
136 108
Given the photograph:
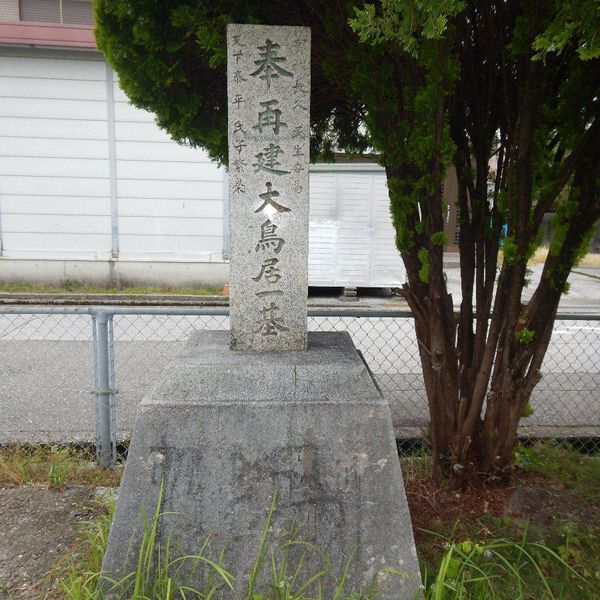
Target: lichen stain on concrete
311 475
362 462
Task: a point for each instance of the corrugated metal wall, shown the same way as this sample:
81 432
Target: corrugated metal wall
86 176
60 168
170 197
352 240
9 10
54 186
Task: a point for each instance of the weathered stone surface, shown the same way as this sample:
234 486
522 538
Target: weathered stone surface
224 430
268 87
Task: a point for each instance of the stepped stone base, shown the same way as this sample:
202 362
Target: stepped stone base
223 431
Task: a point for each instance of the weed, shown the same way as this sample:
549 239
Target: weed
502 568
4 591
71 286
78 579
563 464
546 549
55 466
161 575
57 474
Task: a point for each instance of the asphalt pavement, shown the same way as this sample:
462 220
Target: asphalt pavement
46 366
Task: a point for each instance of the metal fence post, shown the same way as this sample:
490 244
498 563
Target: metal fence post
105 449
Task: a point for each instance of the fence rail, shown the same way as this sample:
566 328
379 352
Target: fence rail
76 374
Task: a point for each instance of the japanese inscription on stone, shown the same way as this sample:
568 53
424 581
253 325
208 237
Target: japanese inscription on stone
268 87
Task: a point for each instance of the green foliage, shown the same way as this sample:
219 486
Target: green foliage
80 578
567 210
439 238
505 568
404 22
560 223
511 252
563 464
424 270
577 22
500 568
581 547
528 411
57 474
525 336
165 53
582 249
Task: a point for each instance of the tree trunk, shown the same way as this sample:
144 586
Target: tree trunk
480 382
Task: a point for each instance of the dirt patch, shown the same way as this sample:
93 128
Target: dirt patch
529 500
542 506
439 509
37 527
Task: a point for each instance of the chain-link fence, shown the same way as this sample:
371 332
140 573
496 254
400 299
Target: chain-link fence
77 374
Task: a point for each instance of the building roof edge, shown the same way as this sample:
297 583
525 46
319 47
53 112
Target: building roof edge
26 33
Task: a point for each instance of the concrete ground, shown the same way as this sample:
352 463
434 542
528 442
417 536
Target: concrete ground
583 296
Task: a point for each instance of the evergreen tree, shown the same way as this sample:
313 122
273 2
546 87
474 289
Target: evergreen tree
467 83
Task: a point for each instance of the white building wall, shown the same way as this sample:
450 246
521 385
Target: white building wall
170 198
86 176
54 186
92 189
352 239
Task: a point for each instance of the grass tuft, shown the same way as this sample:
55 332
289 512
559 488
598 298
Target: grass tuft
54 466
503 568
563 464
277 573
70 286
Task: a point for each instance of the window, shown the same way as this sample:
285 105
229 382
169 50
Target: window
56 11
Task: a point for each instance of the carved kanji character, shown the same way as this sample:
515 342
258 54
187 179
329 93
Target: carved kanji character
269 323
238 187
269 66
239 164
237 127
269 117
267 160
238 100
269 201
298 87
240 145
238 77
298 132
270 272
298 105
268 239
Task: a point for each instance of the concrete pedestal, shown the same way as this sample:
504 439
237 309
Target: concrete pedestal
223 430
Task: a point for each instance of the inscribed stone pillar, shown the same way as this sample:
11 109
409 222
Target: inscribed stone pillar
268 87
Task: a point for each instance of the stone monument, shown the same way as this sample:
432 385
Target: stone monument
269 409
268 84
